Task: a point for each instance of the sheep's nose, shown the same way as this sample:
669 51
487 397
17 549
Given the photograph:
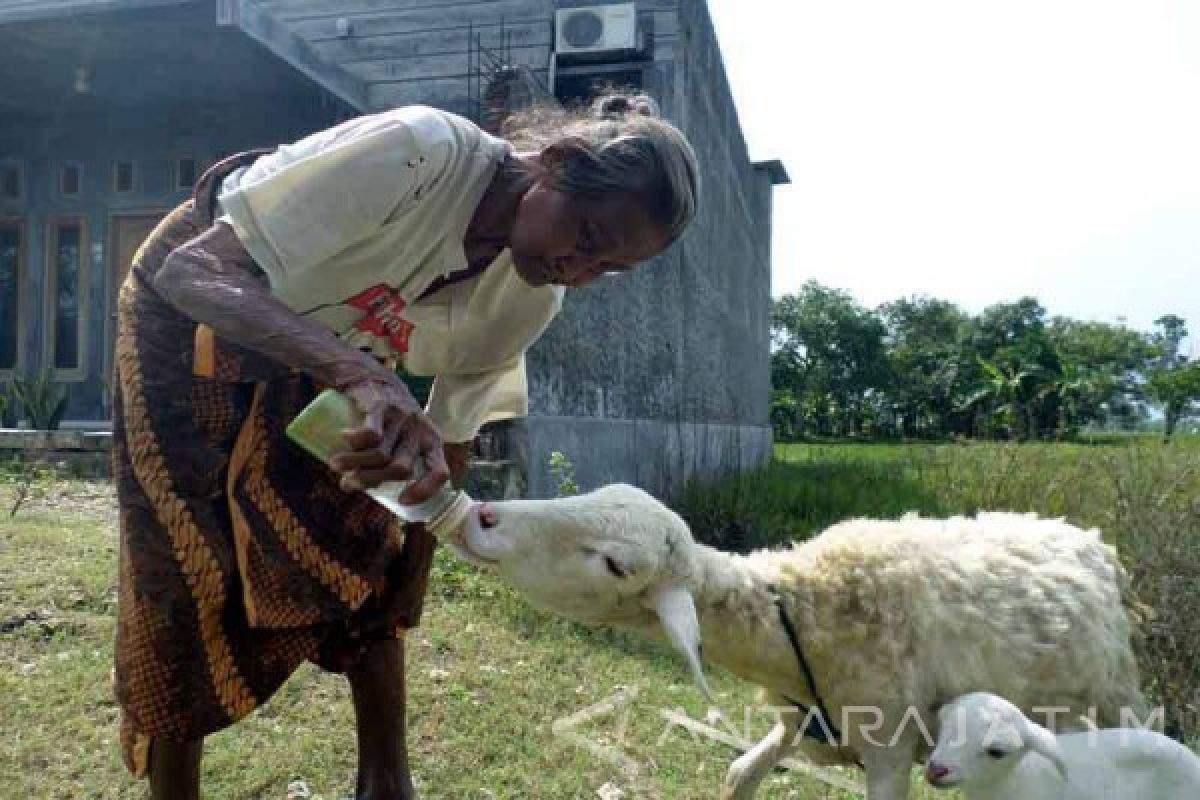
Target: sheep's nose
935 772
487 515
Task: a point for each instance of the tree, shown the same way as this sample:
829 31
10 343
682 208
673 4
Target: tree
1174 383
1009 398
1102 367
1177 390
828 352
1020 367
785 415
930 363
1168 340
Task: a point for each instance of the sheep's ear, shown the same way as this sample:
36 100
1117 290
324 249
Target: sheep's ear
677 613
1040 740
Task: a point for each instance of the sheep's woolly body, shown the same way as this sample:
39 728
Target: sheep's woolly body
899 614
892 615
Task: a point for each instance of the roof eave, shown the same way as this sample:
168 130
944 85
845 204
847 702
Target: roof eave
22 10
775 170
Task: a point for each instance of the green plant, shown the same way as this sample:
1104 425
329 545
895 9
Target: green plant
31 480
563 472
43 400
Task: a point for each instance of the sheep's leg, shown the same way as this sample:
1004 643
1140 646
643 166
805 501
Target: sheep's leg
888 770
174 769
748 771
377 685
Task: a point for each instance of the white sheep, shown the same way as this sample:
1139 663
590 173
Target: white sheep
991 751
888 615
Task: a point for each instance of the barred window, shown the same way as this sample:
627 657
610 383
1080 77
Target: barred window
185 173
123 177
70 179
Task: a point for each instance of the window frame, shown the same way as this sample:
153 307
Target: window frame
18 166
78 373
61 174
21 227
175 172
133 176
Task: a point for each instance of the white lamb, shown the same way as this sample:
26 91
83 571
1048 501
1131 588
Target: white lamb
890 615
991 751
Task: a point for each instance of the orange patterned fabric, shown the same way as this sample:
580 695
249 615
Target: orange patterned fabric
240 557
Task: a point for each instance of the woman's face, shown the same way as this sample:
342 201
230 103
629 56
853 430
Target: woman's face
557 239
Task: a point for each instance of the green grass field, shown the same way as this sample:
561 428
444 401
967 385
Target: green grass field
489 677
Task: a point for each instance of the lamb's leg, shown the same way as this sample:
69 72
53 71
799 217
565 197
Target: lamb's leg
748 771
889 770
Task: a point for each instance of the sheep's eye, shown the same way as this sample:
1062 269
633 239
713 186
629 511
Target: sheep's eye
614 567
996 753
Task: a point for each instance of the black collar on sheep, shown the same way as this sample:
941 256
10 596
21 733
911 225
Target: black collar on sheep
819 727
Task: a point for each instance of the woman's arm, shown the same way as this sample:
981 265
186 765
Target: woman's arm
212 280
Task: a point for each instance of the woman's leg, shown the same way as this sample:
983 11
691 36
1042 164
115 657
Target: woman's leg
377 683
175 770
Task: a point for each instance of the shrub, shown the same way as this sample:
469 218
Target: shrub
42 400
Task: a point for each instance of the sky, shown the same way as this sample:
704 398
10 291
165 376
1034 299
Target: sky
979 151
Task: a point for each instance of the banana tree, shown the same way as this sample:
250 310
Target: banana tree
1011 397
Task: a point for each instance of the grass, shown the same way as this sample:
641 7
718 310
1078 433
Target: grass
488 676
487 679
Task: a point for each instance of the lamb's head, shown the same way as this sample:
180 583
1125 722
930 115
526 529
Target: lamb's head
981 738
615 556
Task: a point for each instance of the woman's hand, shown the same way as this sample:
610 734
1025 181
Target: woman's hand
396 442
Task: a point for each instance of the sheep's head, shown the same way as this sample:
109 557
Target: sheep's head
981 737
615 556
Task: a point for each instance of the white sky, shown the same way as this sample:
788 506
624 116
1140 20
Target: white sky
977 151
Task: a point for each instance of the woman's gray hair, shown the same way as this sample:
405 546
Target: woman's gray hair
620 145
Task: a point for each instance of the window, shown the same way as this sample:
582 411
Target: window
70 177
12 181
185 173
10 300
67 300
122 177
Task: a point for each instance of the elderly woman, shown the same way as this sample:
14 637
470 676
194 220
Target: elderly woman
407 238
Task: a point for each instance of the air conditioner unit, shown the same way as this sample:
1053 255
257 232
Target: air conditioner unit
596 30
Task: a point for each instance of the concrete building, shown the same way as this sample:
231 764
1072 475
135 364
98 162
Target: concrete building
110 109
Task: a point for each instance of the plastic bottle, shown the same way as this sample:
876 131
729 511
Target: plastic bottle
318 429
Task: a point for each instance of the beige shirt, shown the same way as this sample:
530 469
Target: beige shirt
353 223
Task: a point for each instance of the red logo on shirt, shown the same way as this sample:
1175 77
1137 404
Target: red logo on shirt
382 307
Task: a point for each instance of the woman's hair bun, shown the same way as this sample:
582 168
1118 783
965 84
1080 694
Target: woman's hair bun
614 105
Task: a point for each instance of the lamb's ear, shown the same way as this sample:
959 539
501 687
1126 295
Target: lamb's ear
1042 741
677 613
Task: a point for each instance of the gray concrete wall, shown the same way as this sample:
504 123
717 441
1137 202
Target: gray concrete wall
664 373
657 455
420 52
